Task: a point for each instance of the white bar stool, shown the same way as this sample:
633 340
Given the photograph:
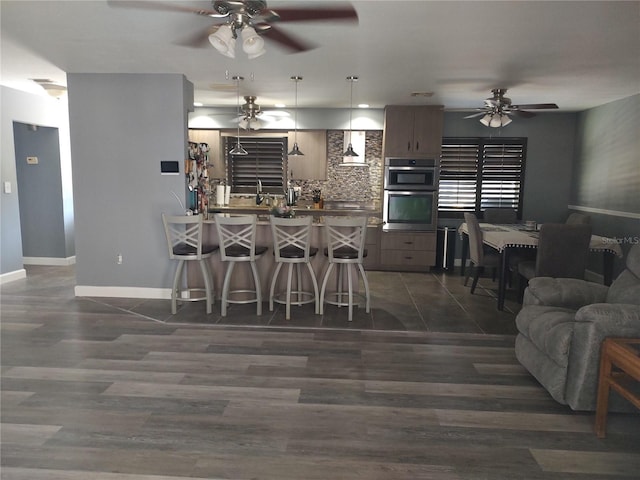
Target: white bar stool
292 245
345 237
237 237
184 239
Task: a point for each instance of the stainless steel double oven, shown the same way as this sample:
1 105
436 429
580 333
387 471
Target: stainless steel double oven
410 194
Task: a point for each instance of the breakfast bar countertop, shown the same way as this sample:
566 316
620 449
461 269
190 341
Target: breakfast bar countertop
376 215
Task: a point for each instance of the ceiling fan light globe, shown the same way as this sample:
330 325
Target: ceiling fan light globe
252 43
486 120
243 123
506 120
223 41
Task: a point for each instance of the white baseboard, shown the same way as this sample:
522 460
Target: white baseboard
50 261
13 276
122 292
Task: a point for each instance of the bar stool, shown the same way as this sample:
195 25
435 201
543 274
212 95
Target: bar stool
184 239
237 237
292 245
345 237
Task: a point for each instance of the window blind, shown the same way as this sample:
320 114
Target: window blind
265 161
479 173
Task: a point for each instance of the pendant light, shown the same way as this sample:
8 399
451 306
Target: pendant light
295 151
238 150
349 152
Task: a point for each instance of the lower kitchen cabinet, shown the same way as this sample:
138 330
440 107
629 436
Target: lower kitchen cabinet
415 251
372 244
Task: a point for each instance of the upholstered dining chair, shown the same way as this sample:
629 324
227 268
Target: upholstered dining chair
480 255
500 215
562 253
578 219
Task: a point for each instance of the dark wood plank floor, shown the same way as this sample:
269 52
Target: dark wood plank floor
92 390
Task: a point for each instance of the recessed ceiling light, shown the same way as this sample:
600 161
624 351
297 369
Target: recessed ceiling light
422 94
198 104
363 105
280 105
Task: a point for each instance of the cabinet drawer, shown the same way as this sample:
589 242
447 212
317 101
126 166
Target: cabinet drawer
408 241
400 258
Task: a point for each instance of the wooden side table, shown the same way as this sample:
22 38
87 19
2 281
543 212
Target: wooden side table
624 355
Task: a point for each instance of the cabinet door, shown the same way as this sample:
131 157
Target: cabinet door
217 167
427 131
398 131
313 164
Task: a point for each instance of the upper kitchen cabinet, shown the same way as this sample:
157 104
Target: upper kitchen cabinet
217 167
313 164
413 131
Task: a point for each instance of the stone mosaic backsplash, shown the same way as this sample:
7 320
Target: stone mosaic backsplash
348 183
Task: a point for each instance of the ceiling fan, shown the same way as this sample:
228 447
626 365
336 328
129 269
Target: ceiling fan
249 19
496 109
252 114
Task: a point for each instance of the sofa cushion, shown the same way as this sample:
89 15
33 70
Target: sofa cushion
550 329
625 289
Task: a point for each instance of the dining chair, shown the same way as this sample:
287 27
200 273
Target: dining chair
480 255
562 253
292 247
185 242
237 237
345 239
578 219
500 215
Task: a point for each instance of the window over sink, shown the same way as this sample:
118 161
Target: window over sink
480 173
265 161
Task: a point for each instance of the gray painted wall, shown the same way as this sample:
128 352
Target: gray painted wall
122 127
40 192
39 110
606 184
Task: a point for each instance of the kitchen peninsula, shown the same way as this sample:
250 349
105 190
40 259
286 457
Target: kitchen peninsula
264 237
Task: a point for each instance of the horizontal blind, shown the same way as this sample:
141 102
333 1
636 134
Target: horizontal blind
265 161
458 182
502 174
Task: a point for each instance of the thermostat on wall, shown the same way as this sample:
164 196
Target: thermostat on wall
169 168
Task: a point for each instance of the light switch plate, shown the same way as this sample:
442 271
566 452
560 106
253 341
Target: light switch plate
7 187
32 160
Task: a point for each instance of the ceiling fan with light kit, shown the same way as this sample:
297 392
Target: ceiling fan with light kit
252 116
496 110
250 20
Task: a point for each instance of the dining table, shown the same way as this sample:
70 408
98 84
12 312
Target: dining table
508 238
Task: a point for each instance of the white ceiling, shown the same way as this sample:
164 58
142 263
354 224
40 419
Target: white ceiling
576 54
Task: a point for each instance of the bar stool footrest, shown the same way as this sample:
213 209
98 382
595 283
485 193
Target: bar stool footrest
277 297
238 292
339 298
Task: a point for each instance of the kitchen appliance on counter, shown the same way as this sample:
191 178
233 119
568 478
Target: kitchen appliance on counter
410 200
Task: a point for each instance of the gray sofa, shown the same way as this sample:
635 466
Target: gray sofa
562 325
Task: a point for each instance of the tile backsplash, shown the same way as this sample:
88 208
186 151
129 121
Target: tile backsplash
349 183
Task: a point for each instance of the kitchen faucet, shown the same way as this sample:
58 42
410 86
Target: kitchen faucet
259 196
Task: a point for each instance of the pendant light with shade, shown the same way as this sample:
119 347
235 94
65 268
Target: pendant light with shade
350 152
238 149
295 151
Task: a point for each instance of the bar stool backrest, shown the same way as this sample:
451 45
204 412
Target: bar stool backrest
345 237
291 238
184 236
236 236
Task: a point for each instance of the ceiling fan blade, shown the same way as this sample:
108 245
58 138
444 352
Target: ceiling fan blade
287 40
346 12
536 106
475 115
199 39
522 113
162 6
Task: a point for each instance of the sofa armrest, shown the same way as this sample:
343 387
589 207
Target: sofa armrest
563 292
593 324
